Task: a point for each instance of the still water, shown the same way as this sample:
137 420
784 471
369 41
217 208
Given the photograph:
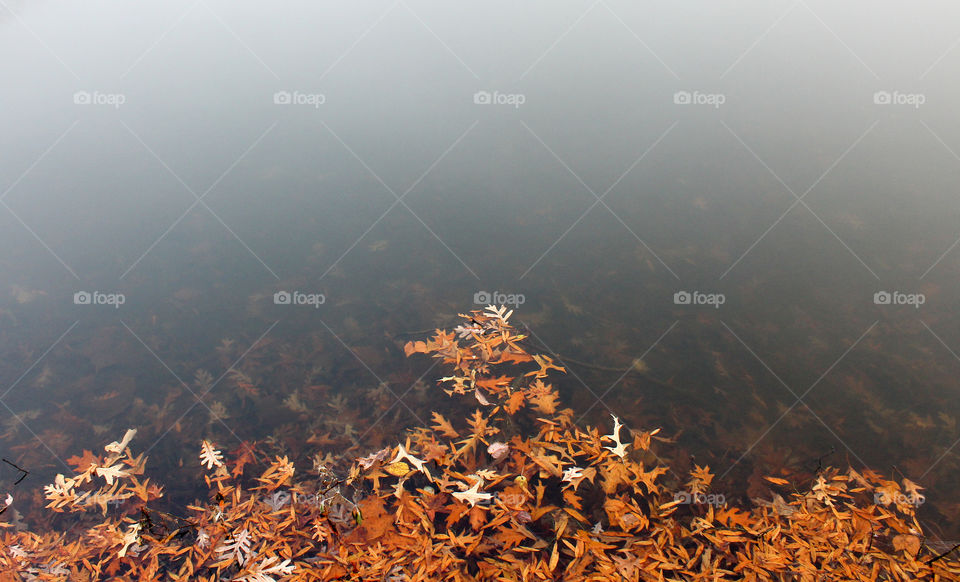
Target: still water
223 221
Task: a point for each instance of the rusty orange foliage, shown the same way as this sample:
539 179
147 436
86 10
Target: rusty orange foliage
561 501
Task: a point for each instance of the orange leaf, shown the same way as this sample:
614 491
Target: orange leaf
545 403
554 556
515 358
494 385
514 403
457 509
907 543
246 455
443 425
509 537
576 514
478 516
84 462
649 478
376 521
572 498
414 348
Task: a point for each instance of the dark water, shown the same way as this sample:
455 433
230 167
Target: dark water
151 152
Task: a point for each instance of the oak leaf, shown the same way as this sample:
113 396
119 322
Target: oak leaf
238 547
473 495
510 537
443 425
210 456
515 402
545 403
111 473
83 463
117 447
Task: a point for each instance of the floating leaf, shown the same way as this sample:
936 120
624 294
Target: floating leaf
209 456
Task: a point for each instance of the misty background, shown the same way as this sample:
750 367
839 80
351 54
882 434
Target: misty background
401 157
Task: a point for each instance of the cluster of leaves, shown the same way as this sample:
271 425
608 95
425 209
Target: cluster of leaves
118 469
245 535
514 491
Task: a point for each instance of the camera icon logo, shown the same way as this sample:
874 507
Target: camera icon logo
282 98
882 98
482 98
281 298
682 98
682 497
82 298
82 98
682 298
881 298
482 298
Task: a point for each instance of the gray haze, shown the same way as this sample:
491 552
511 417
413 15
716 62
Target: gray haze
697 124
398 81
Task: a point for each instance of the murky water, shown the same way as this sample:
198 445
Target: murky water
223 222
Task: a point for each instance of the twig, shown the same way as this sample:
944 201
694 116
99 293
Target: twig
822 457
24 471
943 555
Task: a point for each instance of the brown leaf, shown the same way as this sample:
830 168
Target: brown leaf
907 543
443 425
514 403
84 462
545 403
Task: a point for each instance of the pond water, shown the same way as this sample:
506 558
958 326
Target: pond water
223 220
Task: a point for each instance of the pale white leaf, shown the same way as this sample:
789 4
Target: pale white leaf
210 456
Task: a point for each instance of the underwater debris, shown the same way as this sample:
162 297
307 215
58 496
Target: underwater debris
513 491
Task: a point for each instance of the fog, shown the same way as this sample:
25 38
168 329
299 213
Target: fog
598 157
397 82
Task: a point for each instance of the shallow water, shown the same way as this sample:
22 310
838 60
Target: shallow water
781 165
